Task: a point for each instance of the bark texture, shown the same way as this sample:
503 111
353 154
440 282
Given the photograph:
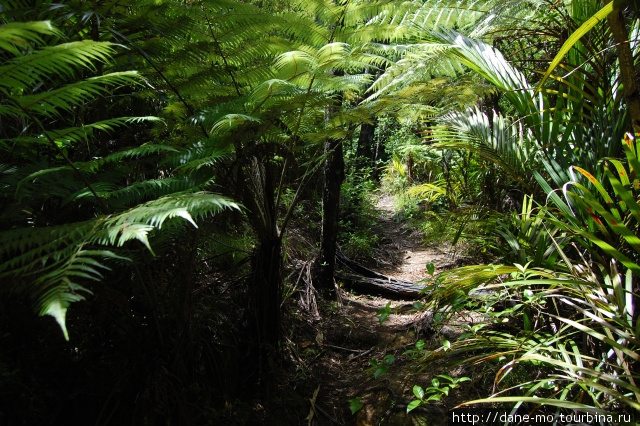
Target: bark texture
627 68
365 151
333 177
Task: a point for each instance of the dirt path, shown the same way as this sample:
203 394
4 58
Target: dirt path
403 255
350 338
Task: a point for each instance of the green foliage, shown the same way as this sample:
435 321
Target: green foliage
530 238
355 405
249 92
440 387
383 313
358 216
571 320
51 259
378 368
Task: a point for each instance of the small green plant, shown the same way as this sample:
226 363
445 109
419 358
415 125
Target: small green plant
440 386
383 313
418 351
360 244
378 368
355 405
431 269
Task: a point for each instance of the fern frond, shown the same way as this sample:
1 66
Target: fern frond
60 287
136 223
232 121
73 135
54 102
199 155
51 263
15 36
428 192
138 152
23 72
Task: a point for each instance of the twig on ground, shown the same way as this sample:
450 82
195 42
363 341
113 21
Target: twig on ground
367 352
340 347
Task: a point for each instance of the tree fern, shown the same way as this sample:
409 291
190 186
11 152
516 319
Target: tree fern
50 258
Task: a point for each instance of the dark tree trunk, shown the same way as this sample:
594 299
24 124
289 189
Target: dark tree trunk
257 179
265 299
333 177
365 151
630 89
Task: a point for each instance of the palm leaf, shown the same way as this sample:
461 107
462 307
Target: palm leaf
577 35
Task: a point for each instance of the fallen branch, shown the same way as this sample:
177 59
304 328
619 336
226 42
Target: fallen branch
367 352
364 279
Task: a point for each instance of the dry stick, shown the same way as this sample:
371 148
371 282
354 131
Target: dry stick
367 352
315 407
296 285
341 348
328 416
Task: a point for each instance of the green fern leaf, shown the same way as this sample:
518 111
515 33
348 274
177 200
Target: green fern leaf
15 36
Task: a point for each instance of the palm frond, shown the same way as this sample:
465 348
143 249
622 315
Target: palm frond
497 140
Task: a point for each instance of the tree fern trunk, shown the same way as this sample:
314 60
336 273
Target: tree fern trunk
265 299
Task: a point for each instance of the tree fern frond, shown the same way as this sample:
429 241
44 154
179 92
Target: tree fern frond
47 183
143 150
52 260
22 72
136 193
72 135
60 288
54 102
428 192
293 64
231 121
200 154
137 222
15 36
22 251
306 32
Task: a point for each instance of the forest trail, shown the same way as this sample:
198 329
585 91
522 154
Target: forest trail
403 254
350 339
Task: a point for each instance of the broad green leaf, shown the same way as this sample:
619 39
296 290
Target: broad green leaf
413 405
418 392
355 405
538 401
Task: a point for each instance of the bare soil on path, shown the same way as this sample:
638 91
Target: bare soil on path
350 339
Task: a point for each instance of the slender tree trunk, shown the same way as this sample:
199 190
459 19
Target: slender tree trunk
628 76
365 151
333 177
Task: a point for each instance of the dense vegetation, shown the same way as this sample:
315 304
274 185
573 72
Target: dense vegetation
165 165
